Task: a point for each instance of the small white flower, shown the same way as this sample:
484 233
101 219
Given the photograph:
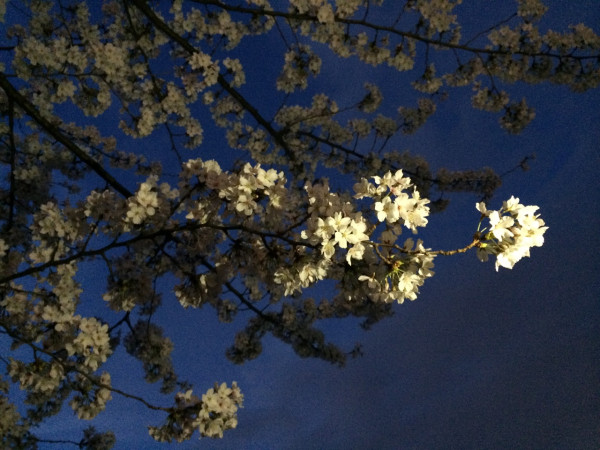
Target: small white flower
387 210
500 225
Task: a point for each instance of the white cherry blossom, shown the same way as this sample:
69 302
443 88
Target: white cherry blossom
252 234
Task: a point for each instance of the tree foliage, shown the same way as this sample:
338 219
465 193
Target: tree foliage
82 85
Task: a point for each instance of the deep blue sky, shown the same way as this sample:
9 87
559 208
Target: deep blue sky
481 359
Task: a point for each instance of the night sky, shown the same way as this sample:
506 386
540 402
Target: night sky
482 359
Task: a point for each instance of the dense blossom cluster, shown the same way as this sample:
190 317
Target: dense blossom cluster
252 238
211 415
514 229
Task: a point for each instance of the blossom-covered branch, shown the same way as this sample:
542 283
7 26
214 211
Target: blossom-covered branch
121 90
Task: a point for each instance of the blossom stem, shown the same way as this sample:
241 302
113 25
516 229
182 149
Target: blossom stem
476 241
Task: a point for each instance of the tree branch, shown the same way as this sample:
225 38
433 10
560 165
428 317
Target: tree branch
376 27
190 49
54 131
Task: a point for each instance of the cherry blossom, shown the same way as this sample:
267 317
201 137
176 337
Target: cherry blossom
252 239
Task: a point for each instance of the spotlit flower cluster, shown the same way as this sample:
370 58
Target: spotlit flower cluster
401 275
392 204
513 230
334 222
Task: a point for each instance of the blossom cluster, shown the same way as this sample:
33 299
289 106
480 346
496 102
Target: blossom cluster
405 268
39 377
513 230
335 226
402 277
299 63
437 13
93 397
92 343
392 203
219 408
334 222
215 413
144 204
